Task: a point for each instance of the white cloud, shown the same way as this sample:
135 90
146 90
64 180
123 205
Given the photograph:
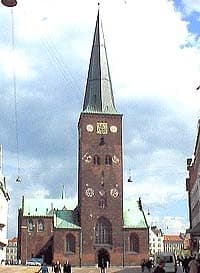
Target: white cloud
174 224
191 6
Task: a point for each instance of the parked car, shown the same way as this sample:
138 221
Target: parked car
34 261
170 261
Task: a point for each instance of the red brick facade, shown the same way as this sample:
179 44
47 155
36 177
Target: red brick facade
103 179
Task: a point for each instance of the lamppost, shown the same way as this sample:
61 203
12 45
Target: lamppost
141 208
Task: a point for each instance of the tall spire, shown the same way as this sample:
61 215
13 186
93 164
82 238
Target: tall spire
99 94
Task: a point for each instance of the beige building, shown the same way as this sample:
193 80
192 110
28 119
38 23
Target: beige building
173 243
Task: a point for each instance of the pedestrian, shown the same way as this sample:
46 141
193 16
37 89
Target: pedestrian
148 265
102 265
194 264
57 267
43 268
160 267
67 267
143 262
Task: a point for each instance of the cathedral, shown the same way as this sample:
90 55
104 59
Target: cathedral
100 227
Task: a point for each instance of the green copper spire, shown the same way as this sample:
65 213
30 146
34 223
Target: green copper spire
99 94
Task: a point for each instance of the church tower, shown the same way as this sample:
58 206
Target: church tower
100 173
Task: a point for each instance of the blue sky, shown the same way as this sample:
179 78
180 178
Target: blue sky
154 58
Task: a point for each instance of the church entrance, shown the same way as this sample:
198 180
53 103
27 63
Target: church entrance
103 257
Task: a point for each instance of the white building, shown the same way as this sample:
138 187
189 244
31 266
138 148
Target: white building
11 251
155 240
4 198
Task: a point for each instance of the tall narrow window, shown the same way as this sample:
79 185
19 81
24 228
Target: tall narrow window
108 160
30 224
103 231
102 203
96 160
40 225
70 243
134 243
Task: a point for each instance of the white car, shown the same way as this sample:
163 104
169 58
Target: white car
34 261
170 261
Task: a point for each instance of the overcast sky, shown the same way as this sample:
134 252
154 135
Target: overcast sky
154 57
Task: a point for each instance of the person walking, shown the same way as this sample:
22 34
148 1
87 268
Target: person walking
102 265
194 265
67 267
160 267
57 267
43 268
148 265
143 262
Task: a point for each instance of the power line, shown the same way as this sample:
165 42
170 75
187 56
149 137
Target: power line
18 179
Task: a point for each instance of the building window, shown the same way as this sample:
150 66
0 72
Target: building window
30 225
102 203
70 243
96 160
40 225
134 243
103 231
108 160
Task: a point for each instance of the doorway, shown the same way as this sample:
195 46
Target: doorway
103 258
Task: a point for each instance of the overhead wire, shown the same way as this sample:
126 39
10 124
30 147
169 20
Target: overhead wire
56 58
59 64
18 179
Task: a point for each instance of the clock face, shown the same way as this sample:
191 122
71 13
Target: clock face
113 129
115 159
102 128
89 192
87 158
90 128
114 192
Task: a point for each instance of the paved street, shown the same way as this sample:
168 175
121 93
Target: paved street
34 269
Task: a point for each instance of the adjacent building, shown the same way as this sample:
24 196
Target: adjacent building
193 189
101 227
11 251
155 240
4 198
173 243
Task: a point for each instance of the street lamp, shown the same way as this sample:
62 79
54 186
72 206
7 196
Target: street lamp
9 3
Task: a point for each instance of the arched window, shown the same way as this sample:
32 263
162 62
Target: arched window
70 243
108 160
102 203
96 160
30 225
40 225
103 232
134 243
